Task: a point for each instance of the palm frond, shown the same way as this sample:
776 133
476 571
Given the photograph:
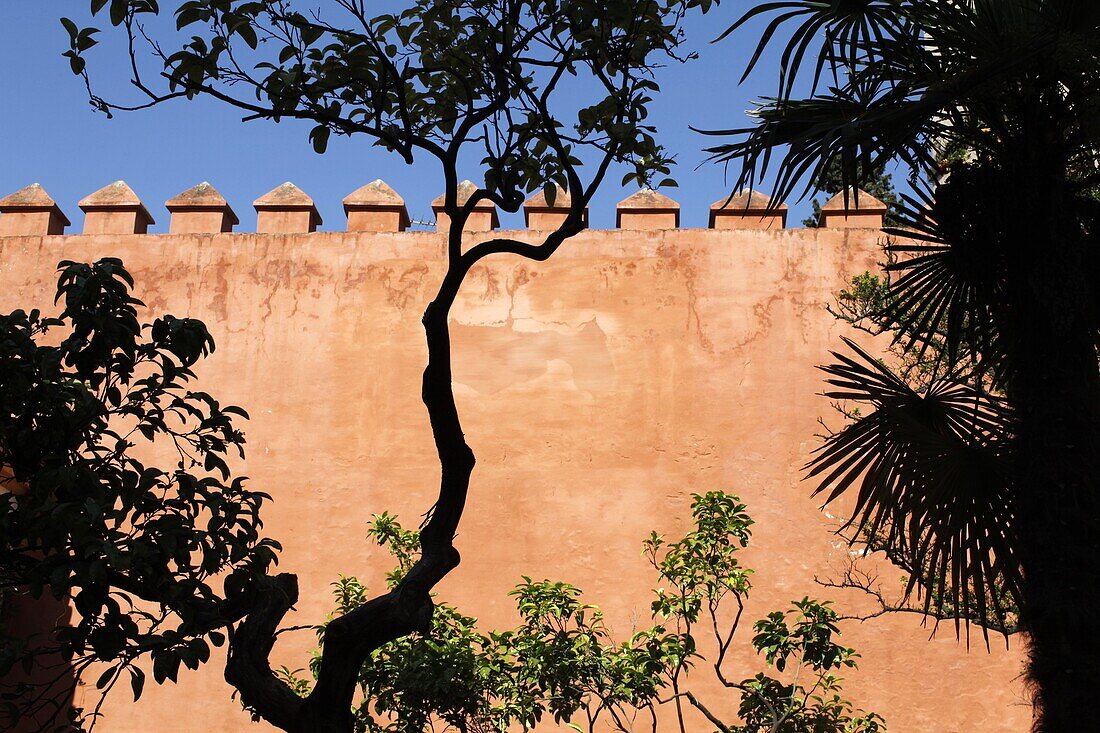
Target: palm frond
861 126
932 477
905 75
842 28
950 295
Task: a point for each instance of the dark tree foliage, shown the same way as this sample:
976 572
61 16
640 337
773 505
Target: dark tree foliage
551 94
158 562
985 472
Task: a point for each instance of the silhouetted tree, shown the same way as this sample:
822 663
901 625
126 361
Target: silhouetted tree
985 474
434 80
159 563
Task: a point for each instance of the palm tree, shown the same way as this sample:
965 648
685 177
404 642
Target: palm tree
985 474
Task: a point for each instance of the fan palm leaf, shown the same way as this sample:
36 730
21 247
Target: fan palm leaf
950 293
932 475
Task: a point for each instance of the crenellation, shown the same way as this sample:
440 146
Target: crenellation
376 207
747 209
115 209
31 211
541 215
200 210
853 208
286 209
647 209
483 217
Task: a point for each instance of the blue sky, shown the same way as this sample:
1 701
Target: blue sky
50 135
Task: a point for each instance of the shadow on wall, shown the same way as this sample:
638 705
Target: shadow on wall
51 676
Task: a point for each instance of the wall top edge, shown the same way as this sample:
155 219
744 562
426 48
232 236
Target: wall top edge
377 196
526 235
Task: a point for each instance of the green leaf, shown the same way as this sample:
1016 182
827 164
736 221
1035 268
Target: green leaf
85 41
248 33
310 34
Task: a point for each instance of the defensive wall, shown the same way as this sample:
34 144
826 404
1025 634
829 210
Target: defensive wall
599 390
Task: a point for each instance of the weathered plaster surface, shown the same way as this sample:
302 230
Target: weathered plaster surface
599 390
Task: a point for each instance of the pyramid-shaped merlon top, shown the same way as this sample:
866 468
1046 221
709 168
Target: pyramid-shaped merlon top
647 209
747 200
562 200
375 193
30 197
115 209
482 218
201 196
376 207
285 195
466 189
200 210
31 211
857 200
113 195
649 200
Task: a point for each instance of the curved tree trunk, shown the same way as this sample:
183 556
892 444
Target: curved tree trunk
350 639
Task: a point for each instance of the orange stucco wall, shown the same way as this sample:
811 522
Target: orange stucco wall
598 389
740 220
851 221
374 221
285 220
648 220
110 222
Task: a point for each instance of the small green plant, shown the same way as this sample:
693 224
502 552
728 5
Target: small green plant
561 660
867 295
802 636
